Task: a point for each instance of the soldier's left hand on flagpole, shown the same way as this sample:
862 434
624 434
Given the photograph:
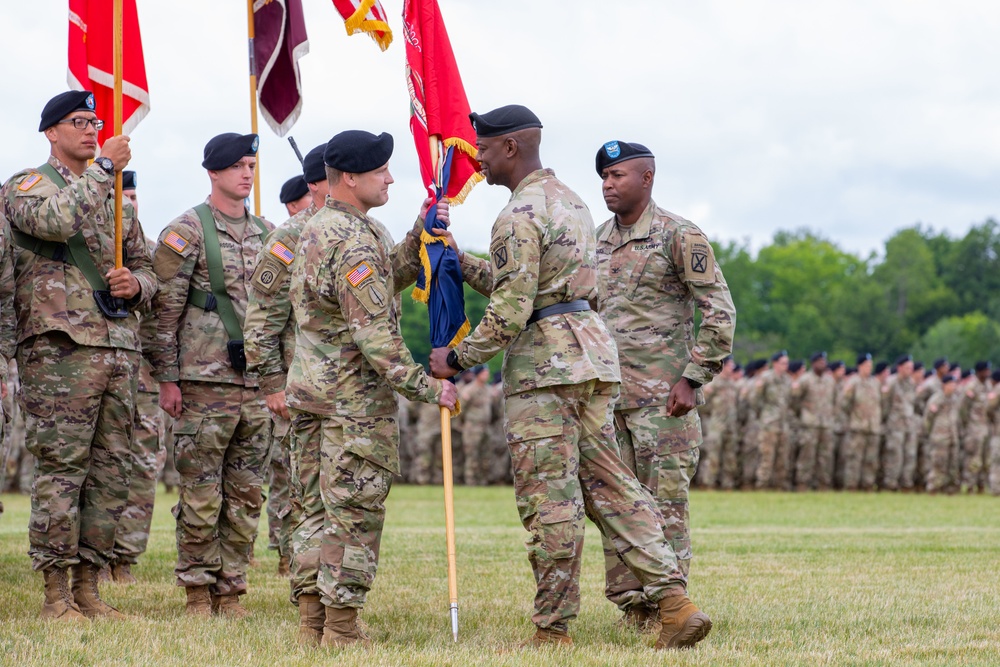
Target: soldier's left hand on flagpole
122 283
439 363
442 211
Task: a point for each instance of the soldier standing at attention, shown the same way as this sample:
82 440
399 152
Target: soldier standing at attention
655 270
812 399
862 406
349 358
975 428
8 337
771 398
78 349
296 194
561 379
205 259
900 437
720 464
941 427
477 402
269 331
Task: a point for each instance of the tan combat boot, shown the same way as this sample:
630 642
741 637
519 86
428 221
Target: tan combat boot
122 574
341 628
229 605
283 567
86 595
312 616
59 605
547 637
199 601
682 625
640 618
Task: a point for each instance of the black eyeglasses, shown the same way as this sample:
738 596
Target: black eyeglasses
81 123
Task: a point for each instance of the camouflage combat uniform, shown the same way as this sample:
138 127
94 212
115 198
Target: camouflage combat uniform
749 429
941 426
349 357
812 398
269 335
78 369
561 380
993 448
862 406
925 391
476 406
222 435
900 455
975 434
8 337
723 461
653 275
775 461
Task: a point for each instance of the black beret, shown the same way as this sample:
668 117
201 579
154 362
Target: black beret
834 365
918 365
881 366
294 189
903 359
63 105
928 373
128 180
504 120
947 378
817 356
357 151
779 354
614 152
795 366
938 363
966 373
983 366
863 357
313 169
226 149
996 375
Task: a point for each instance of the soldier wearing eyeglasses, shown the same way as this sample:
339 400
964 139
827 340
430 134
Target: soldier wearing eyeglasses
77 349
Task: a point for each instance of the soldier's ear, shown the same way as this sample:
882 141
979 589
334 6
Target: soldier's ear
510 147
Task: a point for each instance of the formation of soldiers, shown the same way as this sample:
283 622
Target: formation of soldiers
274 356
819 426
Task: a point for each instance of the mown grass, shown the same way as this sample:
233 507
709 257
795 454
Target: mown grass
808 579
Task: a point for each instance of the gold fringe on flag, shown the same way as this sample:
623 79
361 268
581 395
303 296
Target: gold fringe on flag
357 22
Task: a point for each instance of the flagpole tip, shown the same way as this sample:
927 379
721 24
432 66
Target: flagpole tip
454 622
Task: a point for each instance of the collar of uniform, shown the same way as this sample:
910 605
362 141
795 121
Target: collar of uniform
344 207
57 164
618 236
251 228
533 177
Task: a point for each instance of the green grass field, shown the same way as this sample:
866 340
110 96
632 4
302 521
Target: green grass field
809 579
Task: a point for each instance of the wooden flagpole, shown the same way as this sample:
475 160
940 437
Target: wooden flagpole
116 17
253 105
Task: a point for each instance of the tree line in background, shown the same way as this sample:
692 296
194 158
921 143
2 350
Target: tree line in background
927 293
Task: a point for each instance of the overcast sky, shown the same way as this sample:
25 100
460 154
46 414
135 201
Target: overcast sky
854 118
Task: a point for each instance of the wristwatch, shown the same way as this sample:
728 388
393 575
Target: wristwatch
453 361
694 384
106 164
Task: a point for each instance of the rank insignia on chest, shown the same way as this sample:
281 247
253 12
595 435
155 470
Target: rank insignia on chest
281 251
176 242
29 182
359 273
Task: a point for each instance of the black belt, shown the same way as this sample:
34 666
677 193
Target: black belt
577 306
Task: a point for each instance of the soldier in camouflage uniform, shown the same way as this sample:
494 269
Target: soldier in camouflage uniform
561 379
993 447
749 424
941 426
656 269
269 336
77 366
862 407
771 398
899 392
721 463
349 357
812 400
222 430
975 428
476 416
930 386
8 337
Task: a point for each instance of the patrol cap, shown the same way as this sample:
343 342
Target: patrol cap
947 378
938 363
63 105
881 366
862 358
904 358
504 120
779 354
357 151
313 169
226 149
616 151
128 180
294 189
816 356
983 366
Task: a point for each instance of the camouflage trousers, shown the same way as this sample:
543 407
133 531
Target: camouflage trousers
425 457
974 445
940 463
720 457
663 453
566 462
860 457
911 455
814 462
79 405
335 543
221 443
994 464
750 454
168 469
775 462
279 504
898 437
133 528
476 449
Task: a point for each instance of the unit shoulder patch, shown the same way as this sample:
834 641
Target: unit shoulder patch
699 258
269 276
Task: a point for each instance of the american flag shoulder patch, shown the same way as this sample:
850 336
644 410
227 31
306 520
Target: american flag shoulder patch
176 242
281 251
30 182
359 273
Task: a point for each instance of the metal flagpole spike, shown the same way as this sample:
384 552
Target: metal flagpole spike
454 621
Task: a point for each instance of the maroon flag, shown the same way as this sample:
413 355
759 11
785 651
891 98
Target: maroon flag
279 41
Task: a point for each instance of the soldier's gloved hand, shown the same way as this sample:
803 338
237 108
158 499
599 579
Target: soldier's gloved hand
449 395
170 399
122 283
682 399
117 150
276 404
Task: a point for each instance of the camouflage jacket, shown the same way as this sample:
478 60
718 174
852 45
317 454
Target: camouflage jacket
269 328
928 388
53 295
477 403
190 343
722 399
147 331
772 393
973 405
542 252
941 417
899 401
653 275
813 400
8 332
862 404
349 353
